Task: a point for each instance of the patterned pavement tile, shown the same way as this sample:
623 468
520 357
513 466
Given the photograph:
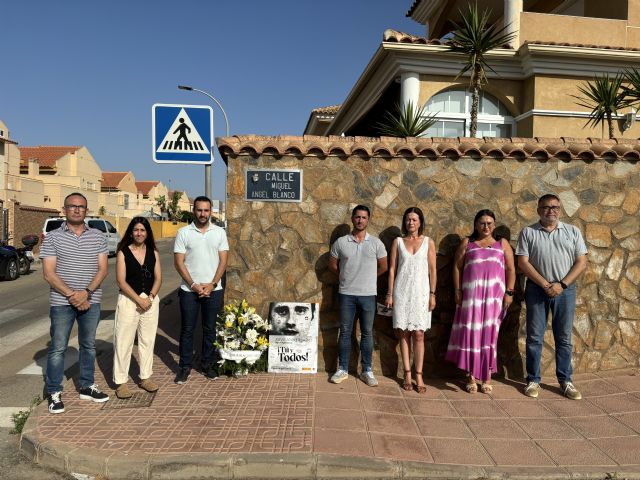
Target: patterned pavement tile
574 452
390 423
516 452
495 428
456 451
624 450
598 388
529 408
599 427
543 428
632 420
431 408
572 408
342 442
400 447
474 409
442 427
375 403
624 403
339 419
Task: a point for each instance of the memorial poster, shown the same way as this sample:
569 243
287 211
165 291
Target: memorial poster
293 337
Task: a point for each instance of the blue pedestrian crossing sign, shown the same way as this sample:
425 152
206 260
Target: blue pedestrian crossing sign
182 133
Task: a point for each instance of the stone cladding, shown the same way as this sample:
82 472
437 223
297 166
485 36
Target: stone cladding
280 251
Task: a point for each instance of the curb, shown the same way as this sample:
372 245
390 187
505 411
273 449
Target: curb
116 466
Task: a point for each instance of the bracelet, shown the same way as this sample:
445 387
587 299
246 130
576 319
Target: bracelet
191 286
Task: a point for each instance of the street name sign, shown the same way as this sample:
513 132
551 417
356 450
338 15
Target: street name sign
182 133
266 185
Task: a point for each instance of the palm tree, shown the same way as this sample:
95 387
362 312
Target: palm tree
406 121
604 96
631 92
474 38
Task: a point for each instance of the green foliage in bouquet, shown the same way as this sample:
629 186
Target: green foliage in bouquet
240 328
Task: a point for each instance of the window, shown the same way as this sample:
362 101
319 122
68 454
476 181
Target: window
99 224
110 227
451 108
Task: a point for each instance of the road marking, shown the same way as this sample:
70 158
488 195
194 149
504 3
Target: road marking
17 339
37 367
6 415
11 314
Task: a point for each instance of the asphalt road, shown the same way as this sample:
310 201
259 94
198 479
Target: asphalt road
24 336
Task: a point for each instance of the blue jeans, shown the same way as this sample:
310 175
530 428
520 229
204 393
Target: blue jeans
365 308
209 307
62 318
563 309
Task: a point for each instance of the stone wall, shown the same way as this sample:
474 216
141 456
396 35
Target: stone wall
279 251
27 220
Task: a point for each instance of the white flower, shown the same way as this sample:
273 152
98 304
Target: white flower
252 337
232 345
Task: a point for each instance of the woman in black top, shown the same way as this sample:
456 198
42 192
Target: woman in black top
139 277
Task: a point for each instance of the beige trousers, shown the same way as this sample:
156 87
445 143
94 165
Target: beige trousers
128 321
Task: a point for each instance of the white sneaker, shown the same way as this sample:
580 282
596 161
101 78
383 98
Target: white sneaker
339 376
369 379
532 389
570 391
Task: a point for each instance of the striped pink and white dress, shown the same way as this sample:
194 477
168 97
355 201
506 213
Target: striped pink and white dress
474 333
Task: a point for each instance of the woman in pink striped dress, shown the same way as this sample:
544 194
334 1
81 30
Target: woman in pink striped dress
484 277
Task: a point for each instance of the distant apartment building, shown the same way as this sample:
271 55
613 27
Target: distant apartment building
62 170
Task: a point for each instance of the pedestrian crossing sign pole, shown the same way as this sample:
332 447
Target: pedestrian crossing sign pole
182 134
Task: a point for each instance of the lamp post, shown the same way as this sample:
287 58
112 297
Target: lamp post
207 168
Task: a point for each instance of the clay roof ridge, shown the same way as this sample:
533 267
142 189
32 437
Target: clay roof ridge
565 148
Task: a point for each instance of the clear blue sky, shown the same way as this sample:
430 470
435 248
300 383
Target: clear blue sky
87 73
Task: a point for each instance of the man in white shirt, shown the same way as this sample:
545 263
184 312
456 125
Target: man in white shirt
200 257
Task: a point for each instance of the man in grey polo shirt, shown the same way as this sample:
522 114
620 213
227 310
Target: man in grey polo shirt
358 258
552 255
74 263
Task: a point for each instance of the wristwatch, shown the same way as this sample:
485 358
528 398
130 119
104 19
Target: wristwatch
563 285
89 293
509 293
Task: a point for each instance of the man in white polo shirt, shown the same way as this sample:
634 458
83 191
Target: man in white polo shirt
359 259
552 255
200 257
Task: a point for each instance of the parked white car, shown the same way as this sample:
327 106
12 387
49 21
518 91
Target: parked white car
105 226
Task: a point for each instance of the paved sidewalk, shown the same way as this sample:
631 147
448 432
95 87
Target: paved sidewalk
301 426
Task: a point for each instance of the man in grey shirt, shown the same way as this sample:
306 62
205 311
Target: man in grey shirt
358 258
552 255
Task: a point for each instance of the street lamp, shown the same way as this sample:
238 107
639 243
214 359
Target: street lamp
207 168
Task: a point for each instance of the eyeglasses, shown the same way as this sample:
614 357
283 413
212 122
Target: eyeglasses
75 207
551 208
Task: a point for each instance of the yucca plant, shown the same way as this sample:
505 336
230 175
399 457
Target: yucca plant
405 121
474 38
603 96
631 91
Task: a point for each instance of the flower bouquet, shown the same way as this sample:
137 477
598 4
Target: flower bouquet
241 339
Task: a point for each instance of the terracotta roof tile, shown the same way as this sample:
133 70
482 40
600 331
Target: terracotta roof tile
580 45
391 35
330 110
521 148
112 179
146 186
47 156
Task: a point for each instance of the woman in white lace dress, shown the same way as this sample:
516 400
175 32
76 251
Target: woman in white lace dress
412 272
